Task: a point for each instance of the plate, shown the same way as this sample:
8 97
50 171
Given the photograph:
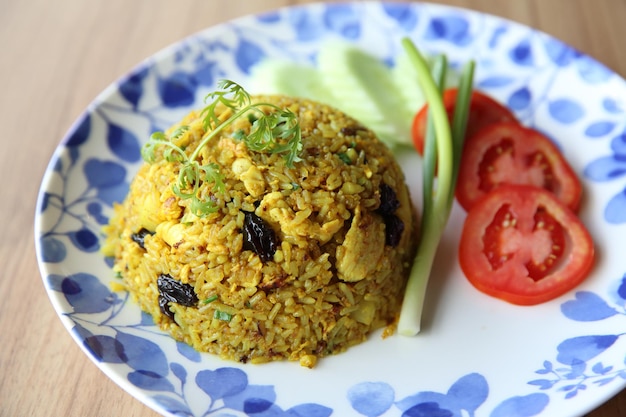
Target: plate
476 355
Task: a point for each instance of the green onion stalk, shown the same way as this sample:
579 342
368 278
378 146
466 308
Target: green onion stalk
442 156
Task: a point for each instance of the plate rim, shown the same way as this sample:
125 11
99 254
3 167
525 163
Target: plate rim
150 61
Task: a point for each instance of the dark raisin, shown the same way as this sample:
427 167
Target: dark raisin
313 151
388 201
176 292
350 130
322 347
164 305
388 205
393 229
259 237
140 237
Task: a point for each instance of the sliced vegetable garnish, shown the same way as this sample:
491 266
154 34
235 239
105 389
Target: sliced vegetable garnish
210 299
510 153
441 150
282 76
523 245
222 315
381 96
483 111
362 85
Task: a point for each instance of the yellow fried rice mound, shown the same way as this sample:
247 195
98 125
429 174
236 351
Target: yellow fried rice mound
336 274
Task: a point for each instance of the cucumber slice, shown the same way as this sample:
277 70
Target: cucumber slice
274 76
405 78
363 87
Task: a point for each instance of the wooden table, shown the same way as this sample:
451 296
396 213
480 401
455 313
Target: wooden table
56 57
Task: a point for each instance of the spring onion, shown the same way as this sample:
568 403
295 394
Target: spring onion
441 160
222 315
210 299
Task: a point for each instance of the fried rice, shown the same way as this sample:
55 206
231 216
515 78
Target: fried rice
297 263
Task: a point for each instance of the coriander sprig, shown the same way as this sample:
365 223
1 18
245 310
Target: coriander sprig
442 151
274 131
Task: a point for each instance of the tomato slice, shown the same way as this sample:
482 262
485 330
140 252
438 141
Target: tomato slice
521 244
511 153
484 111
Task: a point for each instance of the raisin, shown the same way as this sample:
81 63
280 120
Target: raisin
259 237
164 305
393 230
140 237
176 292
388 200
388 205
350 130
322 347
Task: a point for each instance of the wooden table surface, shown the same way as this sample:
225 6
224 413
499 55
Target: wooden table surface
56 56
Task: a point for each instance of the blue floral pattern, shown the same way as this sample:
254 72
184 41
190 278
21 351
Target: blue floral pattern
529 71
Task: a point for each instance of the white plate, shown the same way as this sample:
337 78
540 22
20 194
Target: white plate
476 356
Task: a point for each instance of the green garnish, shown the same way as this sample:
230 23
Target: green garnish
222 315
443 146
345 158
239 135
276 132
210 299
252 118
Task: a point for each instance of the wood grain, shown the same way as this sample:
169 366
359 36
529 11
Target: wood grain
56 57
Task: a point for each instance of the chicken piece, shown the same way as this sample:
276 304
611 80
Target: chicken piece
362 248
250 175
173 233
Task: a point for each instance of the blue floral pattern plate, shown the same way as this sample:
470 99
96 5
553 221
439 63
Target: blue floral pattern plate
476 356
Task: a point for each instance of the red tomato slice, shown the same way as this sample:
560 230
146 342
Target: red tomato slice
510 153
521 244
483 111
